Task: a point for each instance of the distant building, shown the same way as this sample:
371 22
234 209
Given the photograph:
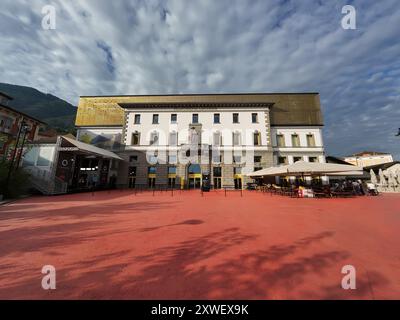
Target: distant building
368 158
177 140
11 122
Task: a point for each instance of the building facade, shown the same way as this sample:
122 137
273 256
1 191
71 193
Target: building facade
175 140
11 123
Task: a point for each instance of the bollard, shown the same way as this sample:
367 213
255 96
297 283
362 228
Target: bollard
153 192
225 191
241 192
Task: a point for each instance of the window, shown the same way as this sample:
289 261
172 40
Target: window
132 171
174 118
312 159
173 138
236 118
153 159
171 170
216 157
154 138
282 160
217 172
280 140
237 159
151 170
216 118
295 159
195 118
135 139
295 140
172 158
257 159
137 118
133 158
155 118
236 138
237 170
216 139
194 137
254 118
257 138
310 140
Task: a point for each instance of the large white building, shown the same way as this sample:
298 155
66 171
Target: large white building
173 140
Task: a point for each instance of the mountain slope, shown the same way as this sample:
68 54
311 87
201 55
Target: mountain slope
54 111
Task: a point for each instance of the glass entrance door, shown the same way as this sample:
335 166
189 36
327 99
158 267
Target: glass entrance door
132 182
217 183
152 182
238 183
194 183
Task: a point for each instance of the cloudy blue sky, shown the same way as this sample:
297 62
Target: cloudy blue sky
213 46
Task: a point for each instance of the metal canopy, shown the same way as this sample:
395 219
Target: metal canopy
90 149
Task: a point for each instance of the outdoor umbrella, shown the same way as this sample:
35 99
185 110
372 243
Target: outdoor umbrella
302 168
272 171
320 168
374 180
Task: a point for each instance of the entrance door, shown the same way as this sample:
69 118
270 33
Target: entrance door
194 176
171 182
217 174
217 183
152 182
238 183
194 183
132 182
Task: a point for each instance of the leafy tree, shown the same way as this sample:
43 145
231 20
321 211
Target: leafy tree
18 183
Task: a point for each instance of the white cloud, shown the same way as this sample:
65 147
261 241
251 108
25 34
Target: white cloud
179 46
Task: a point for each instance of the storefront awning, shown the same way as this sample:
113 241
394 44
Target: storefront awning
90 149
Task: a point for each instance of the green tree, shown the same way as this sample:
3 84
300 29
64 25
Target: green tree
18 183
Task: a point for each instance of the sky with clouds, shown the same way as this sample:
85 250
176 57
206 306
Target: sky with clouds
214 46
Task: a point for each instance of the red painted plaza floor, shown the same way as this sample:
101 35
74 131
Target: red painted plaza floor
123 246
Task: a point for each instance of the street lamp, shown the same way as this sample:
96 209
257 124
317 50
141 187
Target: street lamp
26 130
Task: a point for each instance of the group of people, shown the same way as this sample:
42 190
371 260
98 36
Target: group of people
358 187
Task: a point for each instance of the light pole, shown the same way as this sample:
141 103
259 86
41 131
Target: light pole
26 131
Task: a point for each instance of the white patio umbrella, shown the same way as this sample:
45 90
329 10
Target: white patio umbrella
374 179
272 171
302 168
320 168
